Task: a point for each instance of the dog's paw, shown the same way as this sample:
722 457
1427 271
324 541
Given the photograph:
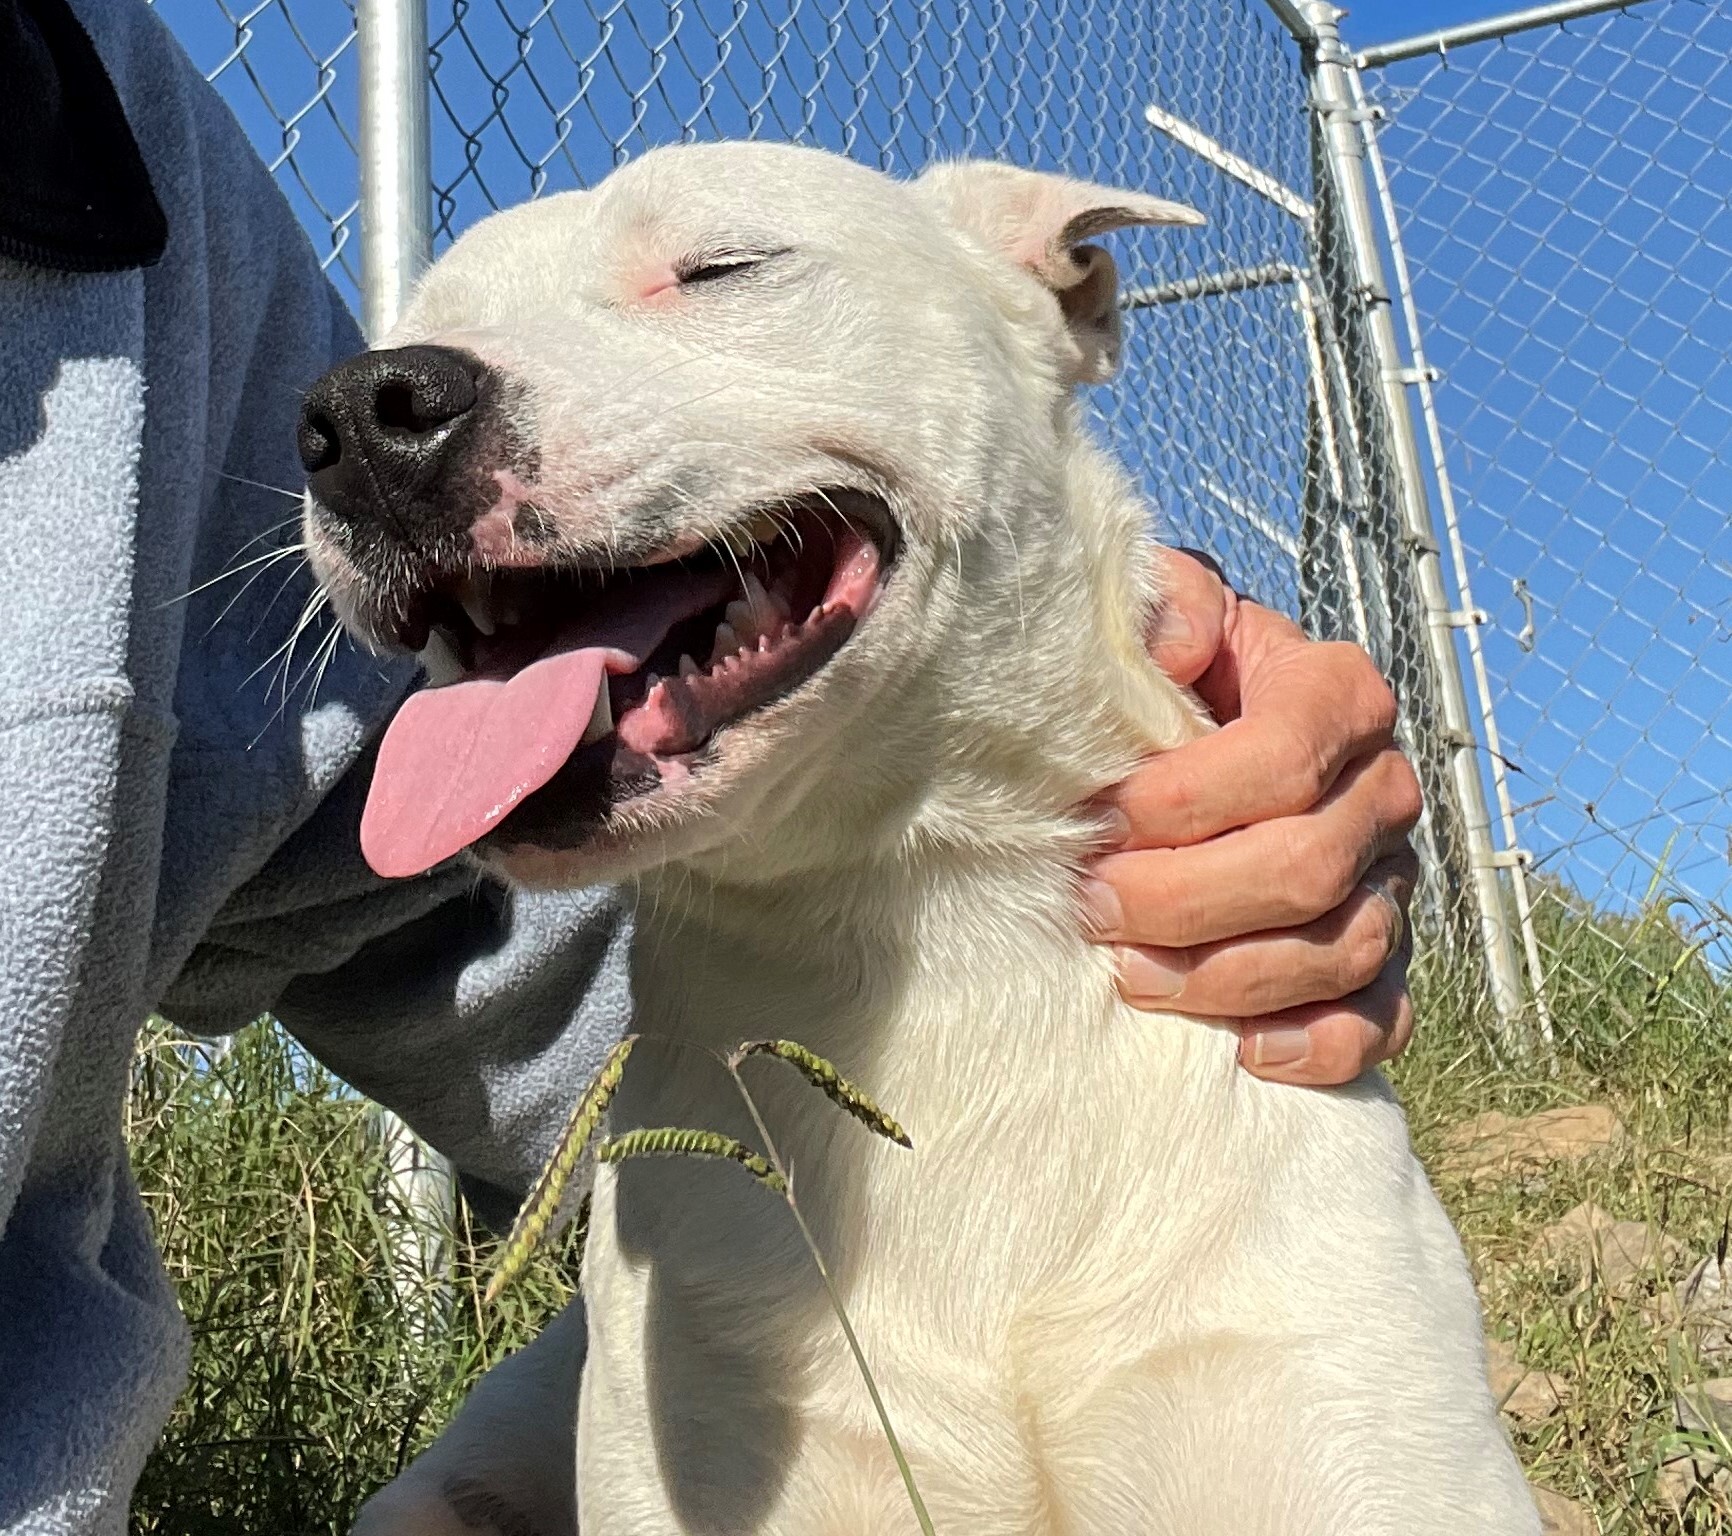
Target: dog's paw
462 1508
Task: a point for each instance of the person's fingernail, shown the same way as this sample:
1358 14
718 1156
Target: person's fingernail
1115 826
1173 627
1145 977
1101 909
1287 1046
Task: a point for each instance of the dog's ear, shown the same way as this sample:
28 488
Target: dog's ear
1041 222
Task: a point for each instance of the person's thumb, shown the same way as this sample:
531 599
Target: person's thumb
1185 632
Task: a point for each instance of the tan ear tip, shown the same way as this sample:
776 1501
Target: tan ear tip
1150 210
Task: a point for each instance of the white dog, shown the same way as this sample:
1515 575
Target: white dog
744 507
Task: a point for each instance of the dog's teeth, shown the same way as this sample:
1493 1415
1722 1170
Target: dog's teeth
756 596
601 720
727 641
440 659
763 643
689 668
476 596
740 617
655 681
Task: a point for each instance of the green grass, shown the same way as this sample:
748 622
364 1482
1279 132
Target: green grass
1644 1026
313 1381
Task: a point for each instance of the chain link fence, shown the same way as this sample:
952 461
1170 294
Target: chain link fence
288 72
1447 372
1563 196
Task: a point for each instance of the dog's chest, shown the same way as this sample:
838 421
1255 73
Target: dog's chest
1059 1152
1092 1195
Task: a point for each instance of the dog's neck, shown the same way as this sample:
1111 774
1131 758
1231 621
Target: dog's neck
951 972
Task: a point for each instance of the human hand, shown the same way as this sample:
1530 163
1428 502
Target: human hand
1261 876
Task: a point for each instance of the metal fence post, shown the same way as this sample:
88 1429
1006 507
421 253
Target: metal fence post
396 156
1512 855
1331 67
396 247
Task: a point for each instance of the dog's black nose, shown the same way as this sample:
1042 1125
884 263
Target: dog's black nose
378 431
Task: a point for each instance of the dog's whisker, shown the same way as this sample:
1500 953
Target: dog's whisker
229 606
309 615
265 533
327 654
276 597
726 545
308 612
323 654
790 531
643 381
260 485
265 560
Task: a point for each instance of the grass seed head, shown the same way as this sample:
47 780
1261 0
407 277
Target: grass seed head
543 1202
823 1076
683 1141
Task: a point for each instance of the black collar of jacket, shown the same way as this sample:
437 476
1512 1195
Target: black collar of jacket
74 192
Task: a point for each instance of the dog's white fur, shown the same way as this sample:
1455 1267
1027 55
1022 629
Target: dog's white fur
1119 1286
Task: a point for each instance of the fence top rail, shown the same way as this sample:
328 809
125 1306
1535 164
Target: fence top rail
1488 30
1292 17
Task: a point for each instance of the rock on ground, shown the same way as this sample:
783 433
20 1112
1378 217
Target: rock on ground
1623 1252
1495 1143
1564 1517
1700 1307
1702 1408
1523 1393
1706 1406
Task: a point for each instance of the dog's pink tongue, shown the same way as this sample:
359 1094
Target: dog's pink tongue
456 759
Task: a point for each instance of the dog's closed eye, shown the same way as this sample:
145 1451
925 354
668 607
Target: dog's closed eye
722 266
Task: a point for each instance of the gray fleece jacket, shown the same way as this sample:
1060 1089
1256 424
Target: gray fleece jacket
183 831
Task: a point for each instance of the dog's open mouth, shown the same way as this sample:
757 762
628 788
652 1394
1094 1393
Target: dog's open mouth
582 688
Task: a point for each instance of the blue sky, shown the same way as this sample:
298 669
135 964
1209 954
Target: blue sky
1382 21
1567 205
